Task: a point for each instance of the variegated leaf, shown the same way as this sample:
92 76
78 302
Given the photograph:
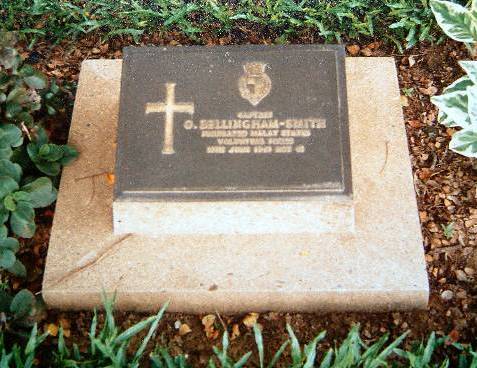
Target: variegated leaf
470 68
460 84
472 105
455 20
455 106
464 142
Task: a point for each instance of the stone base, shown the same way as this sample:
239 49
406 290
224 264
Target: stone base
379 266
325 214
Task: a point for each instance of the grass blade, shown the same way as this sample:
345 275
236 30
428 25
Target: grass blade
152 329
259 342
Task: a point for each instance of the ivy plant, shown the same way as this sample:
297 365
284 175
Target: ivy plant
26 155
10 138
19 312
19 85
18 199
28 163
49 157
8 260
8 249
458 102
17 202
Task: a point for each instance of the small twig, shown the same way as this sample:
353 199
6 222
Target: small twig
93 191
436 173
444 249
386 154
25 129
99 256
224 326
91 176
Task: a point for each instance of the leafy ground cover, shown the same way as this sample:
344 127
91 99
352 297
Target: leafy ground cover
445 186
404 22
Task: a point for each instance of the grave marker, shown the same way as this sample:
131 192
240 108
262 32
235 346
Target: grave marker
265 229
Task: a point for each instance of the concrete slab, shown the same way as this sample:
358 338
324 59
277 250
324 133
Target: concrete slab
380 266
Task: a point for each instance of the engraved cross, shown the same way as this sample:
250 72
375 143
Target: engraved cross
169 107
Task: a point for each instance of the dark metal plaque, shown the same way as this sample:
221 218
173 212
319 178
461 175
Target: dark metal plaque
238 122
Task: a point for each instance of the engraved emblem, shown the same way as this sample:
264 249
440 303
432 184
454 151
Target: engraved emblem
254 85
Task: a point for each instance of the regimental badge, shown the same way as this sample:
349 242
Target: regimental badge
254 85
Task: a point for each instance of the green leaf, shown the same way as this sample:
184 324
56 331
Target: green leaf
384 354
42 193
8 168
46 157
40 136
22 304
69 154
243 360
464 142
430 346
10 135
4 213
454 105
22 220
32 150
8 56
7 186
140 351
3 232
18 269
24 117
37 81
134 330
460 85
18 95
259 343
21 196
54 87
9 203
34 341
33 78
50 110
5 301
48 168
5 152
50 152
5 79
12 110
10 243
456 21
26 70
295 346
470 67
326 361
7 258
472 105
310 350
278 354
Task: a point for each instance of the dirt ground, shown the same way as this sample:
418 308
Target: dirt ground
446 192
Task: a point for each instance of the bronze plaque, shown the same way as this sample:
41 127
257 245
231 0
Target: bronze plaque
233 122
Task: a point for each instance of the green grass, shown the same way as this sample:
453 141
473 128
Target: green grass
404 22
109 346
